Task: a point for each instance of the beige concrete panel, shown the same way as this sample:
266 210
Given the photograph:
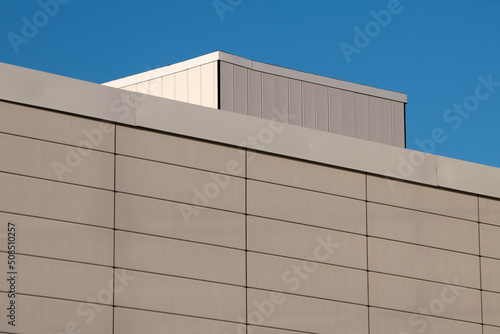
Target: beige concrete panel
265 330
491 330
130 88
59 279
306 277
143 87
490 274
306 207
48 199
62 240
490 236
491 308
148 215
42 159
306 175
183 296
305 313
423 262
422 198
179 258
489 211
61 128
423 228
423 297
180 151
36 315
299 241
182 184
386 321
135 321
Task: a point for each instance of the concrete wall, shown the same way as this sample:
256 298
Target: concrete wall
126 230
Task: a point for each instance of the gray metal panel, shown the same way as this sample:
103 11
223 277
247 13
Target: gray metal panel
386 122
226 86
335 110
374 119
296 115
456 174
360 116
309 105
268 97
398 123
347 113
288 140
55 92
241 90
254 93
322 121
282 99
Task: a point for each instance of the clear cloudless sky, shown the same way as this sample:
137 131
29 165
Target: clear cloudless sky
433 51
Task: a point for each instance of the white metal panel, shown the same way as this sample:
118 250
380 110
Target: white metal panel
226 86
268 97
194 85
282 99
254 93
373 119
132 88
398 123
347 113
168 86
322 121
360 116
181 86
143 87
241 90
386 122
309 105
335 110
295 102
209 85
155 87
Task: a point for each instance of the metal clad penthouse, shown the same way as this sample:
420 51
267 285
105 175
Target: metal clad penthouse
226 196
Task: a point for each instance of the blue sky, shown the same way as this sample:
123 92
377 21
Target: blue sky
437 52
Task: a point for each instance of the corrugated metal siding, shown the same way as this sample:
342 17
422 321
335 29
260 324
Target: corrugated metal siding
312 105
255 93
